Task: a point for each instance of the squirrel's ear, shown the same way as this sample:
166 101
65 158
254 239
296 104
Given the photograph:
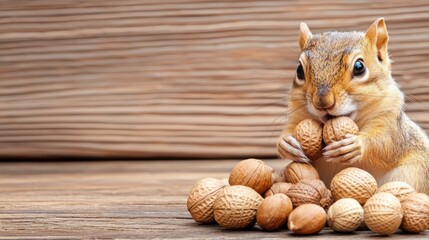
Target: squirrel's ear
377 35
304 35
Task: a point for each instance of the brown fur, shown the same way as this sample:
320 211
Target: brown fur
394 148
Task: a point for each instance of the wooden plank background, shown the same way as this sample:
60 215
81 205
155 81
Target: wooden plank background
174 78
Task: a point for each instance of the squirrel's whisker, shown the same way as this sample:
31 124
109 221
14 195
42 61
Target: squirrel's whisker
419 105
283 116
269 103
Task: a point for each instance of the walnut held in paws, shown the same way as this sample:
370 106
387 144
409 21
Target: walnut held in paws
253 173
307 219
201 199
274 211
345 215
416 213
309 134
236 207
353 183
383 213
295 172
336 129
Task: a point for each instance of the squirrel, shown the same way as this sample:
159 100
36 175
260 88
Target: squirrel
349 74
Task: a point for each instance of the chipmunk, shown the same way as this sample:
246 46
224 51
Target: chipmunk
349 74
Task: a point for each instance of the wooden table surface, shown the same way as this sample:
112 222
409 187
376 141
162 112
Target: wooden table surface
117 199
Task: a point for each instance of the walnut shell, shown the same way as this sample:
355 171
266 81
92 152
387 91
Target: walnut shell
309 134
280 187
252 173
201 199
295 172
236 207
307 219
401 190
353 183
310 191
336 129
345 215
383 213
416 213
274 211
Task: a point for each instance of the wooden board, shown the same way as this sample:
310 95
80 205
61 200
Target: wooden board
174 78
122 200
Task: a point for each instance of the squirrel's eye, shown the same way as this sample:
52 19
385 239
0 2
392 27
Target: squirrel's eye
359 68
300 72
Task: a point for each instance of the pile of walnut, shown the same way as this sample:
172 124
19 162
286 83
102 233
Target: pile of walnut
300 201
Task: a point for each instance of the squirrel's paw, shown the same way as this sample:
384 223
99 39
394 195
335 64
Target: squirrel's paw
346 151
289 148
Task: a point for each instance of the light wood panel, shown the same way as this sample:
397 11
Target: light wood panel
174 78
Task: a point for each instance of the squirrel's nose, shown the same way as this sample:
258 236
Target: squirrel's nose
325 101
323 104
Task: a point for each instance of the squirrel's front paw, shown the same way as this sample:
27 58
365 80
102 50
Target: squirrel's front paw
289 148
346 151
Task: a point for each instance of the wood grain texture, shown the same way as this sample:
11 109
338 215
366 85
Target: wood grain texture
174 78
119 200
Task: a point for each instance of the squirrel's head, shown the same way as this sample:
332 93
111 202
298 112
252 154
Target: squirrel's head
341 73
